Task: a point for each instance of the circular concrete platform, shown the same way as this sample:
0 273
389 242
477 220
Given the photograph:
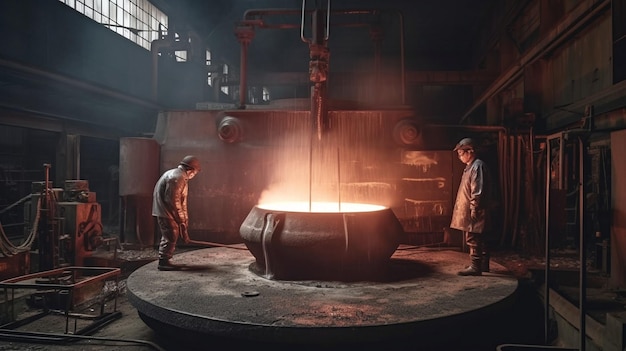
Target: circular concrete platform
421 299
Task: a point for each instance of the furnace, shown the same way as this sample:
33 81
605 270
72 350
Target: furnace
337 241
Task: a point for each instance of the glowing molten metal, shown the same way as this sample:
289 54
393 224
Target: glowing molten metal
320 207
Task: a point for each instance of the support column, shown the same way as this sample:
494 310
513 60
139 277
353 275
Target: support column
618 205
67 158
376 34
244 33
318 73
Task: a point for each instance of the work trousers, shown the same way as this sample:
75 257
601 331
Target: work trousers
476 243
169 235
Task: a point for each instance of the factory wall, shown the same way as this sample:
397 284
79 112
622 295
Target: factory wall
563 81
52 36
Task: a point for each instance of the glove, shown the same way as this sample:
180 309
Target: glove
184 234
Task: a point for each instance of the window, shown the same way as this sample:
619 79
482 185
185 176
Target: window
266 94
208 63
224 87
181 55
136 20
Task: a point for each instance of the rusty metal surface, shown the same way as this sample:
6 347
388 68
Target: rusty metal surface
272 145
83 224
16 265
64 291
139 166
80 276
422 295
308 245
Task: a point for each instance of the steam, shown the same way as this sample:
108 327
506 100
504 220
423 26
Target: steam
349 165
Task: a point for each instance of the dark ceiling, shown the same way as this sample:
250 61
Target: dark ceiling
438 34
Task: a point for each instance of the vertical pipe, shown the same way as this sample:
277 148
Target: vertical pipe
546 320
243 74
338 180
513 183
317 109
327 34
46 235
311 169
517 185
302 22
504 184
46 188
154 48
78 157
318 71
582 248
562 185
244 33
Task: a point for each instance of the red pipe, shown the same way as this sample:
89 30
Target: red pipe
251 19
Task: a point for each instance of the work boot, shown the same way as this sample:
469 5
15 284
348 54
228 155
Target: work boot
484 264
166 265
473 269
470 270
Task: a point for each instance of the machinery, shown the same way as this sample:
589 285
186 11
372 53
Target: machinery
63 227
67 222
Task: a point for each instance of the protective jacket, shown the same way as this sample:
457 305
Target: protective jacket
472 200
170 196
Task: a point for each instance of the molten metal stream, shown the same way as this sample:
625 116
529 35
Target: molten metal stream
320 207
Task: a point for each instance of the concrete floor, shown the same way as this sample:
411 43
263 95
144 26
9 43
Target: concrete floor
423 305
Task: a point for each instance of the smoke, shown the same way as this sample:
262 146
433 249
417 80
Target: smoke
301 172
350 163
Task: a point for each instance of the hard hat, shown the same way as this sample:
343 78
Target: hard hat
465 144
191 162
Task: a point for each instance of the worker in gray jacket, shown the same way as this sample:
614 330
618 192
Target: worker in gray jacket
169 206
470 214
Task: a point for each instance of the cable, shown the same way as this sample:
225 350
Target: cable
16 203
57 338
7 248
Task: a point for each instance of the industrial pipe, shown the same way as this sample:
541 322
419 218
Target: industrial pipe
250 20
244 33
212 244
169 41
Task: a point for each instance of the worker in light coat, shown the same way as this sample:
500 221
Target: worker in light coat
471 208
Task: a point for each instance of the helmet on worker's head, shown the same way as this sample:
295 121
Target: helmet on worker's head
465 144
192 162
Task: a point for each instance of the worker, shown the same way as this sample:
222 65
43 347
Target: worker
471 208
169 206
